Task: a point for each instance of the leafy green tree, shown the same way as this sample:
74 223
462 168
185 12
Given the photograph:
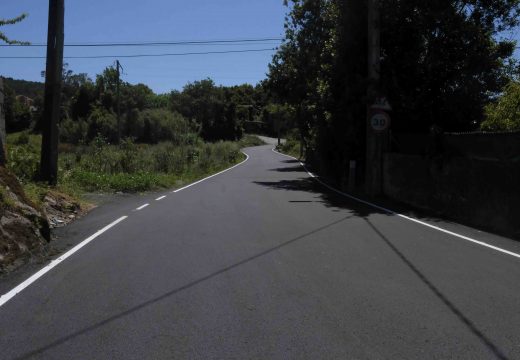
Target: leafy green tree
504 113
18 115
320 71
210 107
106 85
156 125
137 96
83 100
442 62
102 122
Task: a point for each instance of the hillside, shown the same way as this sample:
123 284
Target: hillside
23 87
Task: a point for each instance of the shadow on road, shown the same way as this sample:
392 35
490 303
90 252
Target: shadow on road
335 200
467 322
328 198
173 292
297 168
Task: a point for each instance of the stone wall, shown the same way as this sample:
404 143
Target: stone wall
479 192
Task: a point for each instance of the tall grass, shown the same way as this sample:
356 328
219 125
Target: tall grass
127 167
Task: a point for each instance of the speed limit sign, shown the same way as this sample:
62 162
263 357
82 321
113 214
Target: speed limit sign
379 120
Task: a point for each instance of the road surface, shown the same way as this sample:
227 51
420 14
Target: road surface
263 262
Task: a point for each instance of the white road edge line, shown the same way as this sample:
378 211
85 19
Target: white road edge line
209 177
9 295
481 243
142 207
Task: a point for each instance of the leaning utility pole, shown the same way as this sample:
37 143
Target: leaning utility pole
118 66
53 85
374 150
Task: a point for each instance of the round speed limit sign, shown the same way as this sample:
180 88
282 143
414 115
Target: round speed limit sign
379 120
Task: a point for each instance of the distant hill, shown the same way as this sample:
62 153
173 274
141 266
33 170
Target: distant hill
30 89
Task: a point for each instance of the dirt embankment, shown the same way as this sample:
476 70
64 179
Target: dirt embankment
25 227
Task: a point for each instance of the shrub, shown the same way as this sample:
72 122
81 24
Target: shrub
103 123
23 161
73 131
22 138
162 125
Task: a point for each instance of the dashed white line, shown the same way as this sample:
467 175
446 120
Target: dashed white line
463 237
9 295
142 207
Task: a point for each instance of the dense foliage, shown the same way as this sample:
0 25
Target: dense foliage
504 113
90 108
442 63
128 166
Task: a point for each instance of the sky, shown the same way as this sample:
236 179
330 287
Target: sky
116 21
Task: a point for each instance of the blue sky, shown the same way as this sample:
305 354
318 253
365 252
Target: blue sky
151 20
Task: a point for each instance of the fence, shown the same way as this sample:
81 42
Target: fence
473 178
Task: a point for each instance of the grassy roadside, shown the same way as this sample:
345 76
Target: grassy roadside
127 167
290 147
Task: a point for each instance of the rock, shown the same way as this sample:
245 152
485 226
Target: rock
24 229
49 200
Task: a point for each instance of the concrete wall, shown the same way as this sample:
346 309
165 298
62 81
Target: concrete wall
481 193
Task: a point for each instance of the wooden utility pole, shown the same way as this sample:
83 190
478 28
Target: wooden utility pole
118 66
53 86
374 150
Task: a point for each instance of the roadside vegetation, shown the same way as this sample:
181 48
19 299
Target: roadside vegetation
441 66
503 114
291 146
157 141
126 167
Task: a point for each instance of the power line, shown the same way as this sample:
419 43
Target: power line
142 55
154 43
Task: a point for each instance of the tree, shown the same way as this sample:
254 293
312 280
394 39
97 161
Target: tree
83 100
504 113
442 63
211 108
320 71
4 22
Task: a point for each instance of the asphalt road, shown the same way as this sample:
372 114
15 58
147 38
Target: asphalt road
262 262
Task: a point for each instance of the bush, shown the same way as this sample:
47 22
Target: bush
22 138
162 125
103 123
291 146
73 132
23 161
251 140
